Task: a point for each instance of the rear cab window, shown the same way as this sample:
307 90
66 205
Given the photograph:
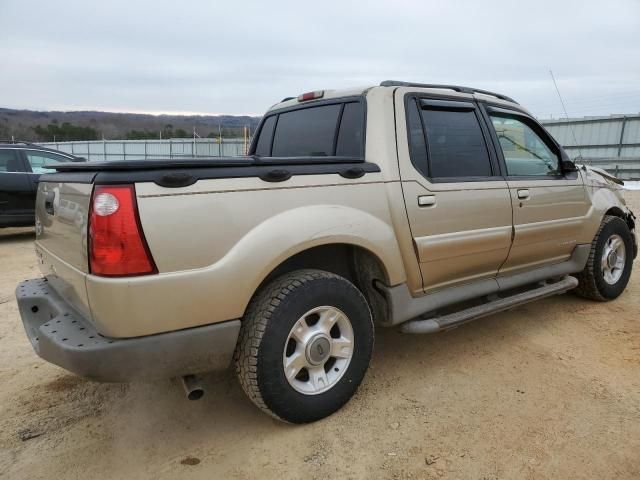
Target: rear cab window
331 129
263 146
447 142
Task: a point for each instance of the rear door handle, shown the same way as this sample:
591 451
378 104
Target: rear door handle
523 194
426 200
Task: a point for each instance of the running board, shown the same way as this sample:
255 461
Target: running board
452 320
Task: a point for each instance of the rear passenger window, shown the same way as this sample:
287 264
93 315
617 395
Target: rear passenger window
351 131
44 162
455 145
308 132
10 162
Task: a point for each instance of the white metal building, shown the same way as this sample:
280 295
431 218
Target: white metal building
612 142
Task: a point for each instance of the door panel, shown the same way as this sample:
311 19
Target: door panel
16 195
549 207
547 223
461 226
465 235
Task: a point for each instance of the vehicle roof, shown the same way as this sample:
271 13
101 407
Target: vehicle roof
33 146
436 89
328 94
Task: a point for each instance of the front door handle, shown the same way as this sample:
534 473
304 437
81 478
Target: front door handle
426 200
523 194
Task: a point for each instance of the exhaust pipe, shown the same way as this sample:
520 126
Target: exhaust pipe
192 387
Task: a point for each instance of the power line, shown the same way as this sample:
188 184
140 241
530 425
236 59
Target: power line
573 133
611 96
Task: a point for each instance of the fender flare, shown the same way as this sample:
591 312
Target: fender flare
284 235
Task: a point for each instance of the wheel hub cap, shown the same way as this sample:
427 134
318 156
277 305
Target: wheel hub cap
613 259
318 350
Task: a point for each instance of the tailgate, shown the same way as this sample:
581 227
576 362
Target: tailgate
61 238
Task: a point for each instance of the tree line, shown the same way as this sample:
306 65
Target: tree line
65 132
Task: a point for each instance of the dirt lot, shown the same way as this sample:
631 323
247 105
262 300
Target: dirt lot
547 391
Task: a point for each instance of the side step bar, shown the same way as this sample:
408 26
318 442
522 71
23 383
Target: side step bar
452 320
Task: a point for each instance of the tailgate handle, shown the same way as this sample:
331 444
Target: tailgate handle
49 197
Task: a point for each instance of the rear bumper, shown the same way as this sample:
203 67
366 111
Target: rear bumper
63 337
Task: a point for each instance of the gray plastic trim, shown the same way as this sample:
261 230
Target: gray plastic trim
61 335
575 264
404 307
494 306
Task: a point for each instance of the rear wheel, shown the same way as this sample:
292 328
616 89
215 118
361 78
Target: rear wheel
609 265
305 345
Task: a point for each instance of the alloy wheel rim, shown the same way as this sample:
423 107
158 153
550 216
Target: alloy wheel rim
318 350
613 259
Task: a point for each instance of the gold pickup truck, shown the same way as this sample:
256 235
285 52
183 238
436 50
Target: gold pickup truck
420 207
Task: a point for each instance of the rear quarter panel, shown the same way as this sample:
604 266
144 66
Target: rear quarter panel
61 240
214 242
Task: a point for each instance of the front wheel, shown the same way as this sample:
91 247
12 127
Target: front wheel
609 265
305 345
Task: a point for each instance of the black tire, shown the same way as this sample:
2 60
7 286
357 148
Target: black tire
591 280
264 334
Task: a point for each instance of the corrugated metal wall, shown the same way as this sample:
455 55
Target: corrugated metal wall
610 142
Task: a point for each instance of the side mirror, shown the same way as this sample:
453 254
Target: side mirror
568 166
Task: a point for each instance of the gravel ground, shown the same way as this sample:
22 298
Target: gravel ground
550 390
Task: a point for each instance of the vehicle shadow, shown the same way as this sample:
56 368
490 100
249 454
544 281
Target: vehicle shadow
11 235
149 410
156 420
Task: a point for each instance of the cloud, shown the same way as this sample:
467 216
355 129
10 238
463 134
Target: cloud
230 57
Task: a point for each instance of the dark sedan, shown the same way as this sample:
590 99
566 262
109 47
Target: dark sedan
21 164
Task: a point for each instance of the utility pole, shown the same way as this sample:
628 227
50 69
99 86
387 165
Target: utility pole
193 149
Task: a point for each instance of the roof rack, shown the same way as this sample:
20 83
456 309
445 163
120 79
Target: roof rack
455 88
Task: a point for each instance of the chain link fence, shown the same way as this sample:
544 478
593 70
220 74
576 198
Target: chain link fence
153 149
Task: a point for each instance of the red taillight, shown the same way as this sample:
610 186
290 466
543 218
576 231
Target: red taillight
311 96
116 242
